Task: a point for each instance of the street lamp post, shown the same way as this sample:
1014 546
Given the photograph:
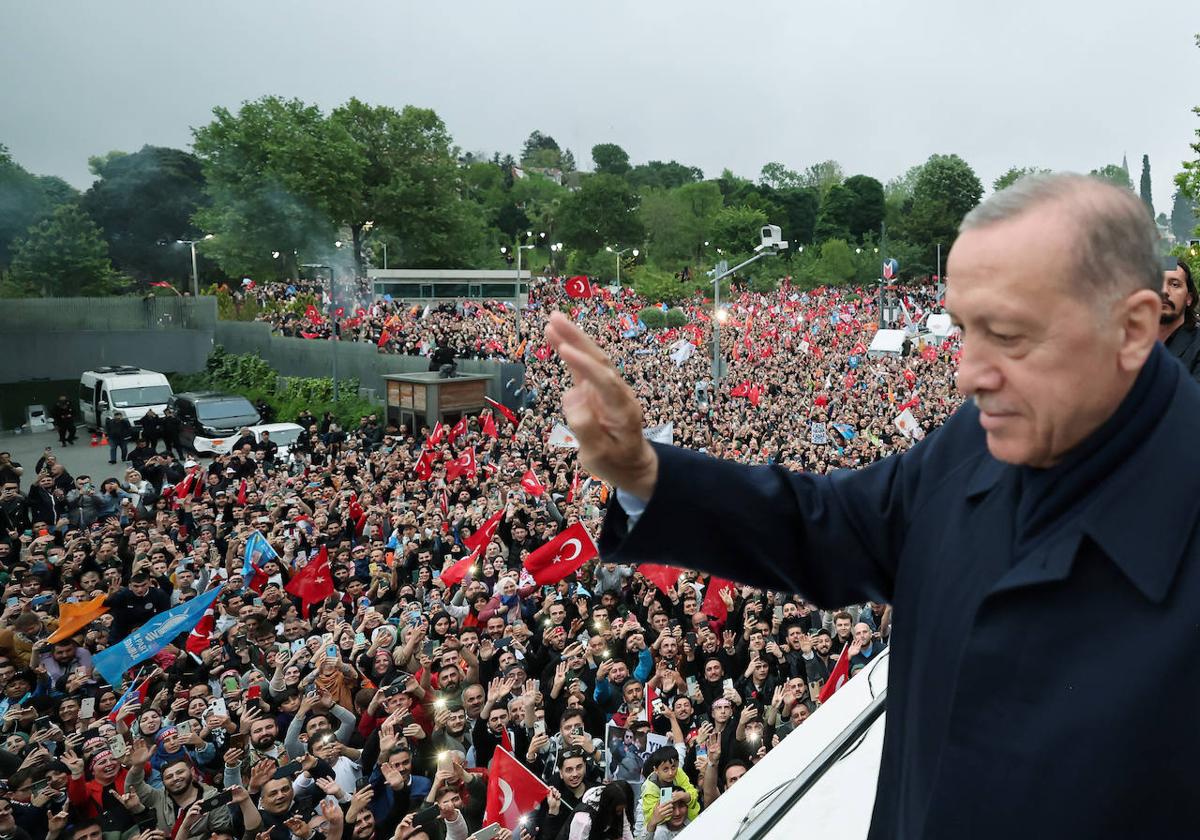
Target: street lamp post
191 243
518 248
719 273
610 250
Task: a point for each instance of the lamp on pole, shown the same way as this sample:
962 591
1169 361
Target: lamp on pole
517 249
191 243
618 254
555 248
719 272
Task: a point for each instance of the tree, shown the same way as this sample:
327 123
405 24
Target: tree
610 159
410 187
777 176
946 189
603 211
799 206
538 142
735 230
833 219
25 199
822 176
665 175
280 177
1145 190
1115 174
63 256
143 202
867 205
1015 174
678 221
837 262
1183 217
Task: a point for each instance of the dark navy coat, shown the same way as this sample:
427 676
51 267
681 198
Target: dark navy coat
1045 653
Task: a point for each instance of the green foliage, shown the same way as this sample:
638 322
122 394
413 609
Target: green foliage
610 159
1015 174
143 203
657 285
833 219
1183 217
777 176
944 191
63 256
234 308
653 317
735 230
253 378
1145 188
602 212
1115 174
866 205
278 175
25 199
678 221
799 207
676 317
837 264
667 175
822 176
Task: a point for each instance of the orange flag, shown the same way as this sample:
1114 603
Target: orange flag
74 617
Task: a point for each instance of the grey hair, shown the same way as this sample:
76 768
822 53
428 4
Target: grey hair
1118 242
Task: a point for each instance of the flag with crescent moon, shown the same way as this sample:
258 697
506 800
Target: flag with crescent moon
563 555
512 791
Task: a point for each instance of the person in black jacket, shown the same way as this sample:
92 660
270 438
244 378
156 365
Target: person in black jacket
119 432
169 429
64 416
151 425
1178 325
134 605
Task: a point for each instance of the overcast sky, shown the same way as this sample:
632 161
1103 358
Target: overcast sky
878 85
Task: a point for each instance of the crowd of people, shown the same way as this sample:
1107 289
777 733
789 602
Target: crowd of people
378 710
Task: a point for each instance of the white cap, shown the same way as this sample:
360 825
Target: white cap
189 464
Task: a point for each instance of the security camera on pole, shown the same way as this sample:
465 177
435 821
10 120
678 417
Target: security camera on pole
771 242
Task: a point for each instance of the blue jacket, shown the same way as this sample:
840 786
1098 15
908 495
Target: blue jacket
1045 653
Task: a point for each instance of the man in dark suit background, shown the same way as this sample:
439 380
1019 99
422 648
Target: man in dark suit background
1044 533
1178 328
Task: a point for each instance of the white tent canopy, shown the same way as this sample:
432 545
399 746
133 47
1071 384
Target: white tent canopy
886 342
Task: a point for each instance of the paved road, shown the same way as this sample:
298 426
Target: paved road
80 459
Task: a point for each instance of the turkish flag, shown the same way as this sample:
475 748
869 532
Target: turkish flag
197 640
505 410
459 569
664 577
561 556
741 389
910 377
313 583
384 338
578 287
839 674
439 431
713 605
531 485
458 429
574 488
542 353
313 315
464 464
486 531
512 791
425 465
241 497
913 403
489 427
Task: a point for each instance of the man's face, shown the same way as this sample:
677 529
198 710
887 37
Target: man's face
573 770
668 647
1175 297
402 761
823 644
176 778
1044 365
732 774
140 588
262 733
497 720
842 626
64 653
277 796
862 634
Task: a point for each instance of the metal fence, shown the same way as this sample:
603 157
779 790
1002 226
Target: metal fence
107 314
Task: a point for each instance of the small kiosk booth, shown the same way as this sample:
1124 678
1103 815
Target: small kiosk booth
422 399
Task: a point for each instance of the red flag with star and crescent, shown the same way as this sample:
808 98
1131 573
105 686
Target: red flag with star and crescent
464 464
837 677
486 531
503 409
455 573
314 583
561 556
531 485
664 577
425 465
458 429
512 791
713 605
579 287
488 427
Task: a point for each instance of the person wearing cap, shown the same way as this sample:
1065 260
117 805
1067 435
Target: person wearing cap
1178 326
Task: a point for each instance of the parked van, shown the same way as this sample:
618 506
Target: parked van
130 390
209 420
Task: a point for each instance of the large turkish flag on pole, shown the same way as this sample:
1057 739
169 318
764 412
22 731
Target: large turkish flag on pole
579 287
839 674
512 791
561 556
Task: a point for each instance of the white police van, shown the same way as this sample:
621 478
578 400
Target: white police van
129 390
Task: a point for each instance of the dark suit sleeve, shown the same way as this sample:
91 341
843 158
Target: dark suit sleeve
835 538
